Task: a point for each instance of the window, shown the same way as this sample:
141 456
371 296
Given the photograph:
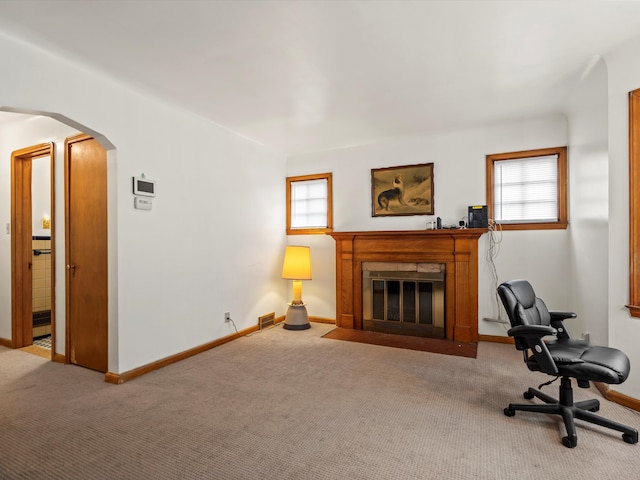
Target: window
528 190
309 204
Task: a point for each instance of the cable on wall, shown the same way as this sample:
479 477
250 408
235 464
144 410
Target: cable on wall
495 239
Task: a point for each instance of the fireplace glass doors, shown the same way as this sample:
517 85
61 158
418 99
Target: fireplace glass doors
404 302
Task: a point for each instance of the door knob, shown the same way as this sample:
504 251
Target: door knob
71 267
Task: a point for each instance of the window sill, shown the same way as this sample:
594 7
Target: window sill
634 310
533 226
309 231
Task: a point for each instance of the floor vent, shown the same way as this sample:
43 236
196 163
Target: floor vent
267 320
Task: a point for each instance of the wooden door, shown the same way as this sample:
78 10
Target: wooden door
86 252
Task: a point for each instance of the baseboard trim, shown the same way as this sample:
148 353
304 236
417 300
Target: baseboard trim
496 339
331 321
6 342
120 378
59 358
617 397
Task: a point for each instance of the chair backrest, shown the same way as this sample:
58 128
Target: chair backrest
522 305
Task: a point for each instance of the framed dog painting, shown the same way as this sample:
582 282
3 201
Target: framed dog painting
406 190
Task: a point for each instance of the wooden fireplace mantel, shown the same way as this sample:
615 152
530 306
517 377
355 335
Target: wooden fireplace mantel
457 249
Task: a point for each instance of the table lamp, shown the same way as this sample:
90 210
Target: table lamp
297 267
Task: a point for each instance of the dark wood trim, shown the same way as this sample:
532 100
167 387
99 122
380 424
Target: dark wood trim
457 249
496 339
119 378
634 310
5 342
331 321
634 203
617 397
52 216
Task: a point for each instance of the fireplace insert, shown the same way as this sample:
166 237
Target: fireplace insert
404 302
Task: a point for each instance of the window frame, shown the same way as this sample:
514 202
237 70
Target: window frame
634 204
315 230
562 222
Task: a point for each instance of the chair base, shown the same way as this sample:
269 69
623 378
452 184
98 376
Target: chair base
569 411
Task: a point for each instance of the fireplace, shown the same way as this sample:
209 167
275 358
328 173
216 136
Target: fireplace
404 298
455 251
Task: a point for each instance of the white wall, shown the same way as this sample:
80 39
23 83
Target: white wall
459 181
624 331
589 203
215 237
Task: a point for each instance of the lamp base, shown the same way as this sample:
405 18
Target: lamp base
297 317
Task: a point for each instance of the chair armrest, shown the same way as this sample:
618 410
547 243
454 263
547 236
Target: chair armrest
531 336
556 322
557 315
538 331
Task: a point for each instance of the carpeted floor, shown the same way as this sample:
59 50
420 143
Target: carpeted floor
423 344
290 405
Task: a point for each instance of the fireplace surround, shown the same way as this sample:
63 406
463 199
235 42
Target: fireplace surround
457 250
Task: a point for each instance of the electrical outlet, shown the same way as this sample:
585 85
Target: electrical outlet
227 316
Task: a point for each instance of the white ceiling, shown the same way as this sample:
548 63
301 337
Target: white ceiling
307 75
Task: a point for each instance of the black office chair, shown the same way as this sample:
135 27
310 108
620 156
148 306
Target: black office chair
562 357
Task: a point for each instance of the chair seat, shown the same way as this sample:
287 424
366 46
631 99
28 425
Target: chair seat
577 359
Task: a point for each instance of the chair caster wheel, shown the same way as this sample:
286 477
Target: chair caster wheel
629 438
594 409
528 395
570 442
509 412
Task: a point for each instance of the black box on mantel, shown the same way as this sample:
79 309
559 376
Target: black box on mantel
478 216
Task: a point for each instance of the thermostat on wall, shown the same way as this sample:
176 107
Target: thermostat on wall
144 186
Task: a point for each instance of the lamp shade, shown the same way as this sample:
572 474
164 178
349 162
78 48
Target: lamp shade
297 263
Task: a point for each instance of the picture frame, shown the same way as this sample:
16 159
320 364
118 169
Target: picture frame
402 190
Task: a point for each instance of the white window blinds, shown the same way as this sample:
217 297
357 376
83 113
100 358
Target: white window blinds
526 189
309 204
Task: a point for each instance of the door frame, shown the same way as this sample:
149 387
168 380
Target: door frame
21 244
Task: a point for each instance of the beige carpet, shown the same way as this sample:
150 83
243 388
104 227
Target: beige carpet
285 404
